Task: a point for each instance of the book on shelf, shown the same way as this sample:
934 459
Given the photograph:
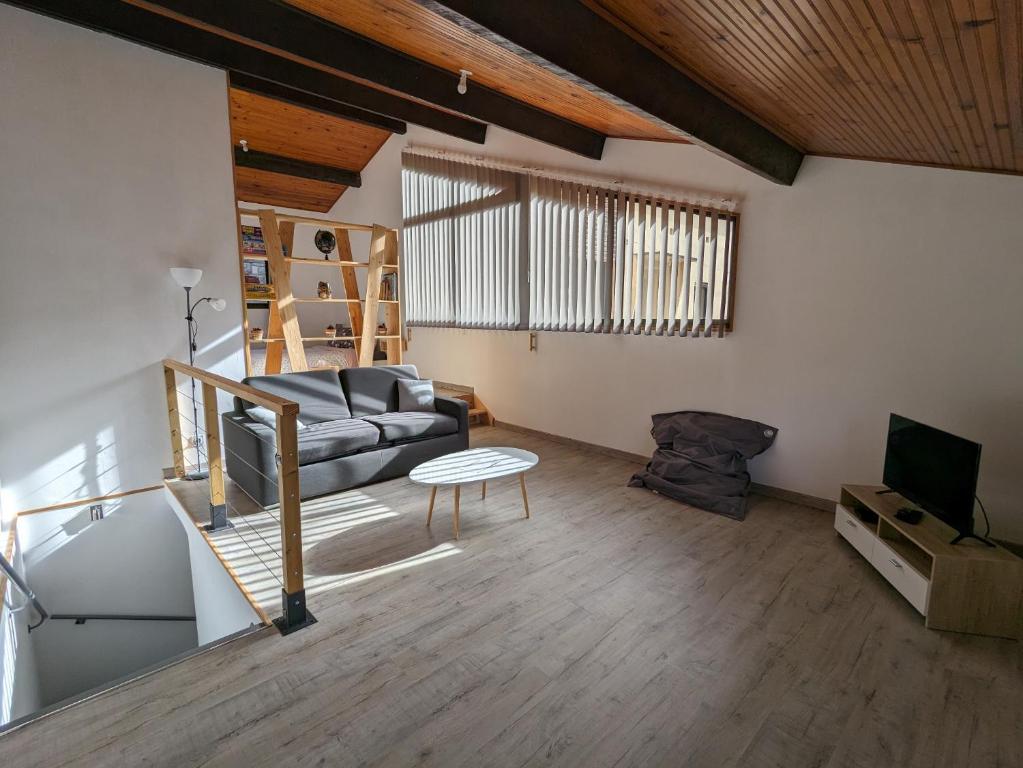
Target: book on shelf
252 240
260 292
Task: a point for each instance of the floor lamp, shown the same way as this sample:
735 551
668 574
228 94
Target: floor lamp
188 278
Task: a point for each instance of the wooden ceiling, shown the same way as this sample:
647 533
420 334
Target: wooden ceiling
409 27
931 83
290 131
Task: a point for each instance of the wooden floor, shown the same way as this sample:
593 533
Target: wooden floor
614 628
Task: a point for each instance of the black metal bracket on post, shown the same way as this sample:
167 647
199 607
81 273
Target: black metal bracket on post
295 614
218 518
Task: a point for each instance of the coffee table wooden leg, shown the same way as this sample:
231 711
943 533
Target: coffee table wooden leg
484 490
433 497
525 500
458 490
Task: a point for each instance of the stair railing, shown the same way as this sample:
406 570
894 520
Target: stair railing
295 615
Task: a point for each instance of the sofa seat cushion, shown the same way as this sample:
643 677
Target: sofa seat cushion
330 439
412 425
318 394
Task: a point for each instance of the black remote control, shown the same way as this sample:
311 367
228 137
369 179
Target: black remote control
909 515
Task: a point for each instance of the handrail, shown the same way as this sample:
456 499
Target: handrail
84 617
278 405
295 615
20 583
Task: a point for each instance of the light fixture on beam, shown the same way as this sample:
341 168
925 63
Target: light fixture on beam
463 81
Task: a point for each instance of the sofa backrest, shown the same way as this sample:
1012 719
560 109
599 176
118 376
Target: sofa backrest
318 394
372 391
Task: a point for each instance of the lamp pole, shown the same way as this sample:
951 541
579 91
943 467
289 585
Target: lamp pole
189 308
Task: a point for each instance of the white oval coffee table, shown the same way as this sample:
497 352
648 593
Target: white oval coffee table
473 466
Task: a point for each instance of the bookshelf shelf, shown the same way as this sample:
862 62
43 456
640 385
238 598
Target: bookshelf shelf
277 232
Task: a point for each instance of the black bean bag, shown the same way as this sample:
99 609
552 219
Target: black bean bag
701 459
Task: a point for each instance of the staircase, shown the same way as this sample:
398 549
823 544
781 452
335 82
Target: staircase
478 412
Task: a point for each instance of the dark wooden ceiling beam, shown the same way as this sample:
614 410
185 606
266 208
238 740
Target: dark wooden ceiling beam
264 161
572 40
164 34
316 103
286 29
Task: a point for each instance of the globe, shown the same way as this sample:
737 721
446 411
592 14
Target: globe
325 241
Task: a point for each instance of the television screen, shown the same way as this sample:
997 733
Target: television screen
934 469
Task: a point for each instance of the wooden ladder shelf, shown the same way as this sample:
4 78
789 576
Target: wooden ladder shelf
283 332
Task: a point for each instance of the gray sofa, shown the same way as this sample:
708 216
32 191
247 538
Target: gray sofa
350 431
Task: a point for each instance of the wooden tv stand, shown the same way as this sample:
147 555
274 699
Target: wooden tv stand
968 587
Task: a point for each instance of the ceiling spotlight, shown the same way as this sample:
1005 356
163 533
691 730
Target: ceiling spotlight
463 81
245 145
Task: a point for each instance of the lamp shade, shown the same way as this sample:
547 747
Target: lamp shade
218 304
186 277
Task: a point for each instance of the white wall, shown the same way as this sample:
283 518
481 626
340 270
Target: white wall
220 607
20 692
134 561
116 166
864 288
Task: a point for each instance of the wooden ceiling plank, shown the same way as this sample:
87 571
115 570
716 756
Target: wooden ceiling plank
314 39
281 128
897 21
405 26
945 46
575 40
127 21
1010 34
264 161
853 54
925 82
782 57
763 42
889 63
316 103
831 34
978 34
257 186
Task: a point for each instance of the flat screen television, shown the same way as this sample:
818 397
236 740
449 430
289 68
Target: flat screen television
934 469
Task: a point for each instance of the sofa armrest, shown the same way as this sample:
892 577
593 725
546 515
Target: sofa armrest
451 406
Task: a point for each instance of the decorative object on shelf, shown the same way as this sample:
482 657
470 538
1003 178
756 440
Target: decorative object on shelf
389 287
325 242
323 290
188 278
329 331
345 341
256 334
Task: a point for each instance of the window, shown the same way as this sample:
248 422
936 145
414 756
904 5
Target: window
462 244
489 248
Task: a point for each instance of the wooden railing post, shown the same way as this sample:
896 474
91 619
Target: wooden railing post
170 380
293 594
218 501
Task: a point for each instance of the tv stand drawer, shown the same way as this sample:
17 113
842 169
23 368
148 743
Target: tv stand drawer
855 532
901 575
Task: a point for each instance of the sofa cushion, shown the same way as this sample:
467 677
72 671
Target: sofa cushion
407 426
415 395
318 394
330 439
371 391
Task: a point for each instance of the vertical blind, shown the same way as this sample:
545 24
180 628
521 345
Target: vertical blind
486 247
462 244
